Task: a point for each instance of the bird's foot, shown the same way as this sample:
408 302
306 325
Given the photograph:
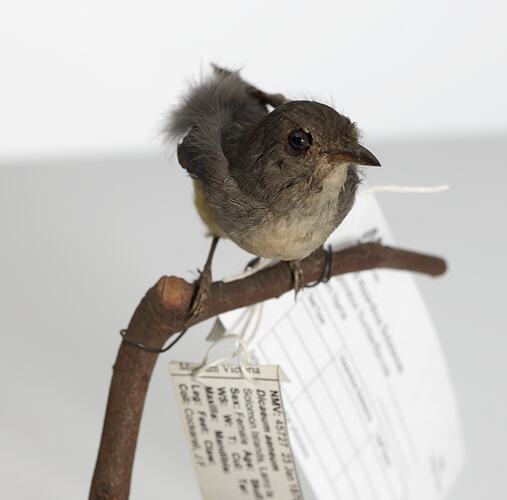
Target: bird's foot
256 264
297 276
200 297
252 264
202 287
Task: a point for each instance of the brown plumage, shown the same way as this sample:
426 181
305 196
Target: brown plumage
276 183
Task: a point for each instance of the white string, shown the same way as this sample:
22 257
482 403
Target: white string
241 352
404 189
255 329
246 316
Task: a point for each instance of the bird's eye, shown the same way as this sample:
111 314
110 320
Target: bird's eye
300 140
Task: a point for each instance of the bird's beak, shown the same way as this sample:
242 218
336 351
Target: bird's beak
355 153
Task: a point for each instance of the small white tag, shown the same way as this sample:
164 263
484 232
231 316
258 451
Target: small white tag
237 431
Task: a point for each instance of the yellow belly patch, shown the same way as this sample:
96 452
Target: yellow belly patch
206 212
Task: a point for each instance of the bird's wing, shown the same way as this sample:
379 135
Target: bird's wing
208 110
205 112
223 102
222 193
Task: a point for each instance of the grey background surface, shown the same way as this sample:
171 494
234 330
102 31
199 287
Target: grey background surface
81 240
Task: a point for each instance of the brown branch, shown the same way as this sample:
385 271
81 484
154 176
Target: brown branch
162 313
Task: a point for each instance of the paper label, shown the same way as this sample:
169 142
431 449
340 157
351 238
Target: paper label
237 432
370 406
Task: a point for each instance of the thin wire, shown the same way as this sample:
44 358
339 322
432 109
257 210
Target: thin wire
325 276
148 348
157 350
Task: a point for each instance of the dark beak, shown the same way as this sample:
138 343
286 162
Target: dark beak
355 153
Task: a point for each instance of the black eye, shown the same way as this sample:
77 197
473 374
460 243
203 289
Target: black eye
300 140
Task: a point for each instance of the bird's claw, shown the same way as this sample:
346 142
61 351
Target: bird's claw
297 276
203 286
252 264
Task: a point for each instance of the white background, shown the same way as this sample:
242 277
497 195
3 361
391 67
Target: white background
98 75
93 211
